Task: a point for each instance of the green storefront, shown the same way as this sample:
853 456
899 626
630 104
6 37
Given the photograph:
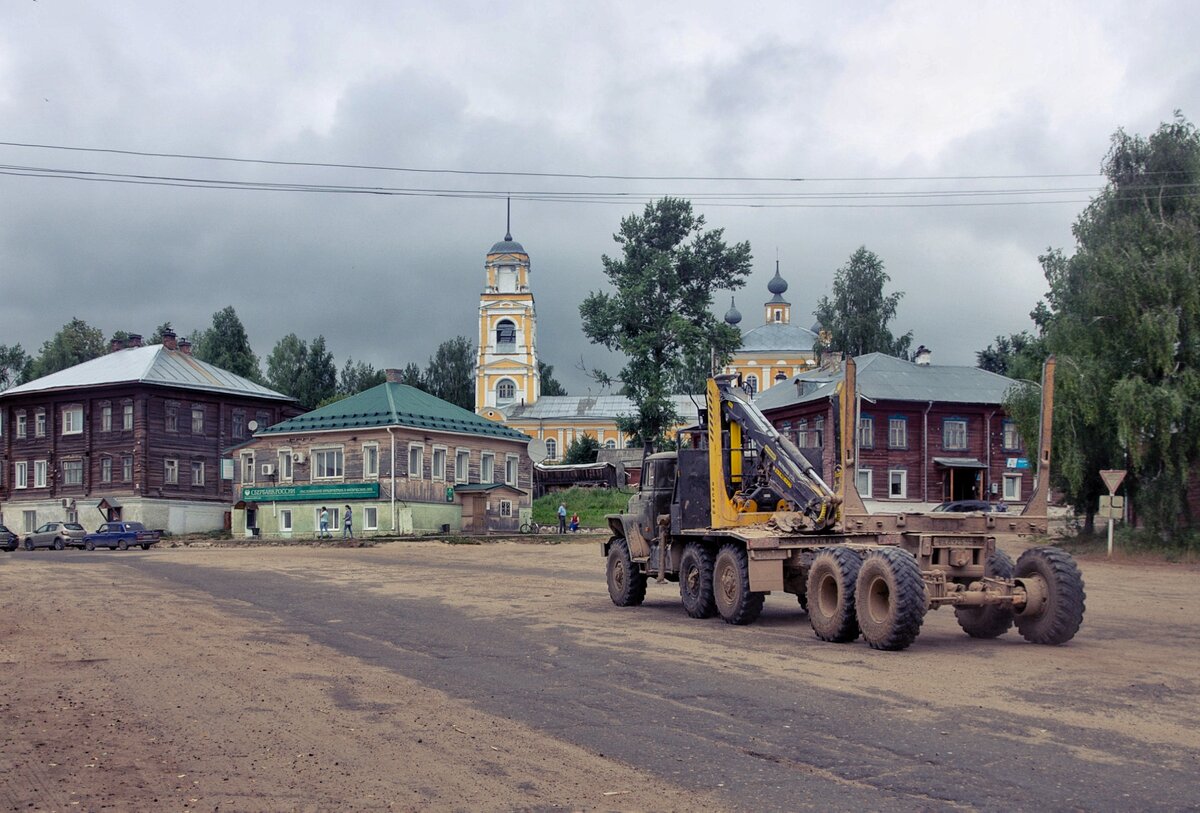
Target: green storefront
293 511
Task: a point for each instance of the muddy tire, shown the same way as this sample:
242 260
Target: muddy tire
889 599
1060 617
696 581
731 586
830 593
994 620
626 584
89 545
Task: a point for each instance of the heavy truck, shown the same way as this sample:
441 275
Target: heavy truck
738 512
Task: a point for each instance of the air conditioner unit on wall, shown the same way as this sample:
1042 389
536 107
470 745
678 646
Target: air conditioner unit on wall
298 457
268 469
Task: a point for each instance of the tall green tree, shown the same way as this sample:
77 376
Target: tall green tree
451 372
658 314
319 378
14 365
226 345
1124 322
583 449
157 336
75 343
1019 355
359 376
412 376
857 316
549 384
286 365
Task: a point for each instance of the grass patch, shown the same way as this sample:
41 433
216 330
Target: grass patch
1135 544
590 503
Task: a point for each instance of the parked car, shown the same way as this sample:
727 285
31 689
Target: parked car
57 535
966 506
8 540
120 535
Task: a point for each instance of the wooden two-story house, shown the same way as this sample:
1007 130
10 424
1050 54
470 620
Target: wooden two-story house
926 433
138 434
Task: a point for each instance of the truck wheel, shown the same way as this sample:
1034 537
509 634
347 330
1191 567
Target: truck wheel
626 584
889 598
1060 617
89 545
58 544
696 581
122 544
831 595
992 620
731 586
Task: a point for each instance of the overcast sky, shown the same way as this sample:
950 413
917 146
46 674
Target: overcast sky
869 103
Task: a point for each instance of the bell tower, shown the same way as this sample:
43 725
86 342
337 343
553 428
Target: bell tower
506 374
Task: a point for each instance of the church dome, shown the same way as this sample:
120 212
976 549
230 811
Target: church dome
778 284
509 246
733 315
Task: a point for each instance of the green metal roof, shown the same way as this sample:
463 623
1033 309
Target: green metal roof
393 405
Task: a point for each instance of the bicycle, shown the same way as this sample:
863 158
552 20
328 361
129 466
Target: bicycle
531 528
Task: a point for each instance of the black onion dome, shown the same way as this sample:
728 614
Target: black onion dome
778 284
733 315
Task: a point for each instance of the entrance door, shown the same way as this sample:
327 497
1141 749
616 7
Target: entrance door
963 484
472 513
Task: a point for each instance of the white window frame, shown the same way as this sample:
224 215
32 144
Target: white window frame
247 472
505 399
898 476
946 436
72 420
22 424
39 423
1012 494
462 465
370 455
1010 438
512 469
285 520
127 468
106 469
126 417
318 472
170 471
40 473
866 431
551 449
506 508
73 464
610 444
419 460
21 474
171 416
106 418
487 463
197 419
370 518
197 472
898 433
751 384
437 463
30 518
867 476
284 456
334 518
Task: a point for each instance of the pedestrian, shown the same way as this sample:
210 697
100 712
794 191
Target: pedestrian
324 523
562 518
575 523
347 523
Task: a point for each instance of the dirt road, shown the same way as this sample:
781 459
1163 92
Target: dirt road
417 676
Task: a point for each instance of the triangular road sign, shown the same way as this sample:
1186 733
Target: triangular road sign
1112 478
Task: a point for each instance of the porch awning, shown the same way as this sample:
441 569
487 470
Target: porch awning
107 503
959 462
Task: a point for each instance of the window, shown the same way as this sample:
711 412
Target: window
127 417
172 417
439 464
21 423
506 336
1010 441
106 418
39 474
72 472
898 484
863 481
72 516
285 519
897 433
238 423
333 517
39 424
20 474
751 384
72 420
127 468
285 465
506 508
610 444
247 467
171 471
327 464
505 391
371 460
954 434
370 518
818 433
487 467
416 461
551 449
197 419
106 469
462 465
30 518
866 432
511 469
802 433
1012 487
197 472
778 314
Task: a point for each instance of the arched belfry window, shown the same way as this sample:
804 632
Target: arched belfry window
751 384
506 390
506 336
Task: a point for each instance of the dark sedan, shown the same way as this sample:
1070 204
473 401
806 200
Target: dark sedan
8 540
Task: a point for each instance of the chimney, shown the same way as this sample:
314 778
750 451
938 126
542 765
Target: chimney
185 347
115 345
169 340
923 356
393 375
135 340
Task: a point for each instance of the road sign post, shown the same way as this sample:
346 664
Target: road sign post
1112 478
